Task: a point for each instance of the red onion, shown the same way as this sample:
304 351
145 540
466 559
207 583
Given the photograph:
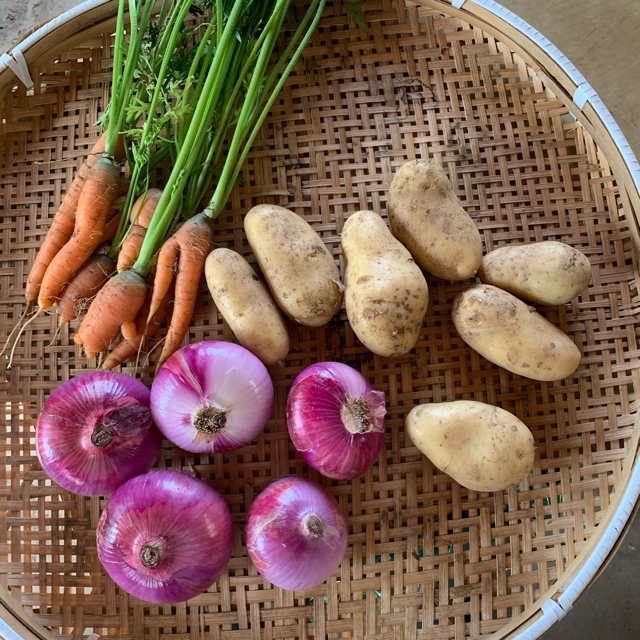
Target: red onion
296 535
212 397
336 420
165 536
96 432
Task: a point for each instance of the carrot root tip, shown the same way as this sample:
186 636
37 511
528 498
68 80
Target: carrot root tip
129 330
25 313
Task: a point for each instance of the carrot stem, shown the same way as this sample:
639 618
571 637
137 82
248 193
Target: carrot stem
185 161
231 170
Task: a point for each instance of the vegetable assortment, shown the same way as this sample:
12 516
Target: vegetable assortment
165 536
212 397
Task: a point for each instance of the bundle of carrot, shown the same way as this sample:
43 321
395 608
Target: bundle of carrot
233 92
201 101
65 269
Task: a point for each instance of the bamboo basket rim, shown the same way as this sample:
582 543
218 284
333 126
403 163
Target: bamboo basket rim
90 18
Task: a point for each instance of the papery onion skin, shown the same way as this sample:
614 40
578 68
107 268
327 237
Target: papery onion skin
216 374
316 420
187 521
279 542
77 409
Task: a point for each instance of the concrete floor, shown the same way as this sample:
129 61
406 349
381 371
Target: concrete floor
609 610
18 16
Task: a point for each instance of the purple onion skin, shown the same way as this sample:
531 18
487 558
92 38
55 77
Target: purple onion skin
212 372
279 542
183 517
316 426
67 423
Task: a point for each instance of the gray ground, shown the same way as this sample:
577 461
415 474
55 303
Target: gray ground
17 16
609 610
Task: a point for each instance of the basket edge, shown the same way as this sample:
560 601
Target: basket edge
65 31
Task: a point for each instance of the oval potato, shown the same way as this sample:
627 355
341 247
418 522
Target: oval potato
247 306
548 273
512 334
386 294
301 273
426 216
484 448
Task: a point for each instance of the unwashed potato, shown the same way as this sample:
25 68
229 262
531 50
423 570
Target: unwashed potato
548 273
301 273
512 334
247 306
386 294
426 216
483 448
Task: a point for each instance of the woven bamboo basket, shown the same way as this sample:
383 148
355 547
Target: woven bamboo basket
427 558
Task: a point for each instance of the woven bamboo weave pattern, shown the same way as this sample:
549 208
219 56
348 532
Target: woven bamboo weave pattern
426 558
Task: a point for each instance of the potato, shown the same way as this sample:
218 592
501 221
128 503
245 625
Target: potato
484 448
512 334
547 273
247 306
386 294
426 216
300 271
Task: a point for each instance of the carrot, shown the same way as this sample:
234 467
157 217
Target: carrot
111 228
141 214
116 304
94 203
62 227
63 223
145 331
84 285
115 211
189 246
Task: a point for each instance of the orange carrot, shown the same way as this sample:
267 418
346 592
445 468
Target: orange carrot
116 304
94 203
141 214
190 246
60 231
145 331
111 228
166 269
84 285
115 212
63 223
